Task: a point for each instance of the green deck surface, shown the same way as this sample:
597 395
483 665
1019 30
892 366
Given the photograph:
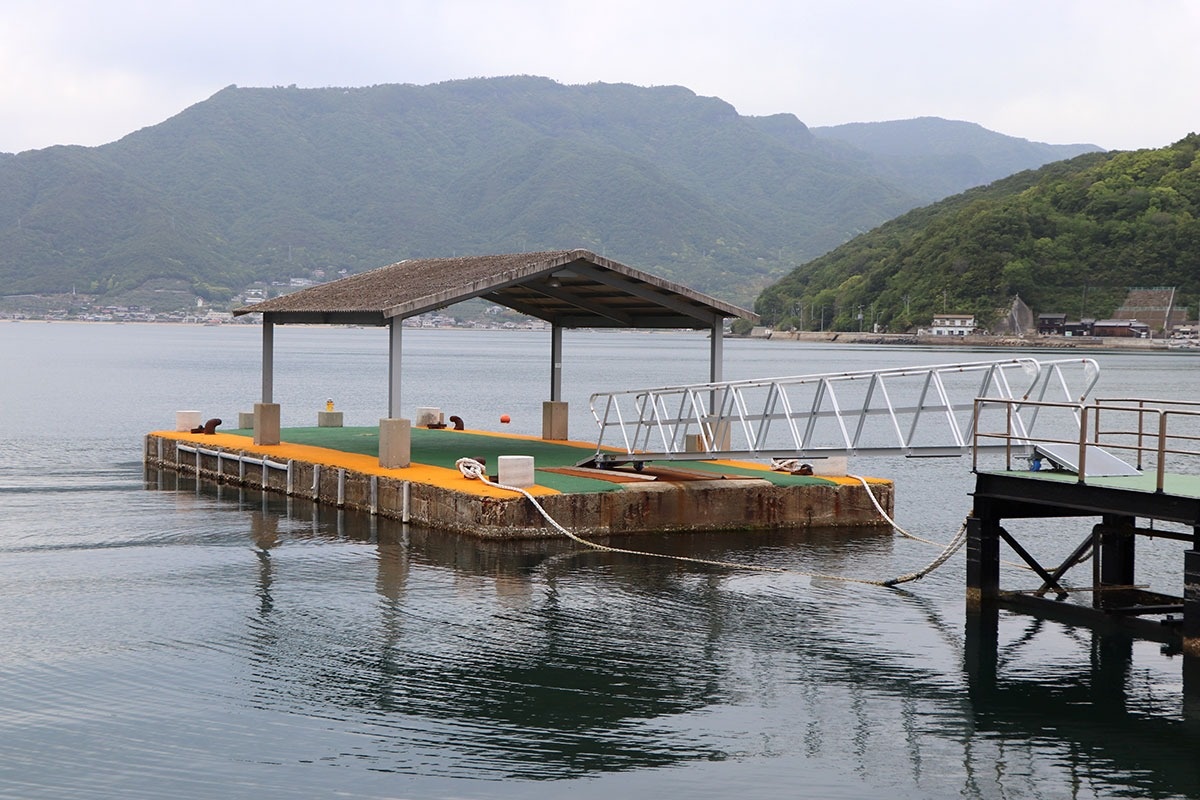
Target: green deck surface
442 448
1175 484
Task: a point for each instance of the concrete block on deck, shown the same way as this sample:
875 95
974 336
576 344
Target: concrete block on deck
833 465
554 420
395 443
515 471
721 436
245 420
329 419
266 423
427 415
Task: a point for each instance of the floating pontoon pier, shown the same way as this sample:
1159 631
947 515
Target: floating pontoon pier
340 467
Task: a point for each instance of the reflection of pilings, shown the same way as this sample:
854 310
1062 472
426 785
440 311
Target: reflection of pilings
981 651
1191 688
394 569
1111 660
1091 711
1191 603
1191 632
264 530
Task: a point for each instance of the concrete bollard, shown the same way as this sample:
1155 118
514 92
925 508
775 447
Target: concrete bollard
329 419
245 420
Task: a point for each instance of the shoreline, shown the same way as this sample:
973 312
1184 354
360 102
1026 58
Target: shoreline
1084 343
914 340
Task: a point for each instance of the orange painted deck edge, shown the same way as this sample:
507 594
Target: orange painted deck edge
442 477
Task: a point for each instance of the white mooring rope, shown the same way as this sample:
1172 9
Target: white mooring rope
473 469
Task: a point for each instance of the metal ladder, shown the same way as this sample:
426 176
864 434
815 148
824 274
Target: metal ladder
913 411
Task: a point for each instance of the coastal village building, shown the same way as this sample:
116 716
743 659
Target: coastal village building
1051 324
953 324
1129 328
1081 328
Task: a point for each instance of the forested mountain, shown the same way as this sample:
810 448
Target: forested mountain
257 184
1071 237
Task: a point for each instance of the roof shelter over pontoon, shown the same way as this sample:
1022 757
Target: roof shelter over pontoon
567 288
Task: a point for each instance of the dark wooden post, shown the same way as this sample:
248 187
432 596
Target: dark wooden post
1117 541
1115 550
983 559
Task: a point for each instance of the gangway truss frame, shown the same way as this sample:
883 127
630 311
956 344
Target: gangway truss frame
911 411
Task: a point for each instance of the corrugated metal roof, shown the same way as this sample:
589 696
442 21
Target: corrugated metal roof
569 288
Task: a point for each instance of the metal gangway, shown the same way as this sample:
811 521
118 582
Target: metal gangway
911 411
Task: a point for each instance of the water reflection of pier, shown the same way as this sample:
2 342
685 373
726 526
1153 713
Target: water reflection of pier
538 661
1097 706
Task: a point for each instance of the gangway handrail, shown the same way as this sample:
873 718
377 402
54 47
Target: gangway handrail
1151 435
817 416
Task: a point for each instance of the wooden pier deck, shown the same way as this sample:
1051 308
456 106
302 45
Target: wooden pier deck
340 466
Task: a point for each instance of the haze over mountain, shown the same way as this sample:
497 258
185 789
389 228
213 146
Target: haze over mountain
256 184
936 158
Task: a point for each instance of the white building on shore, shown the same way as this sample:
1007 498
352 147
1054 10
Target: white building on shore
953 325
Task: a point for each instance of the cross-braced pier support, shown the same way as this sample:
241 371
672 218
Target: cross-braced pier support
1117 601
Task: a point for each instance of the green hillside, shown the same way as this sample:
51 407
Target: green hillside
262 184
1070 237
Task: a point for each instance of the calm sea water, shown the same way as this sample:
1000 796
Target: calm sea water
196 642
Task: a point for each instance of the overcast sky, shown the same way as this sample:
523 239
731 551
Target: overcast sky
1121 74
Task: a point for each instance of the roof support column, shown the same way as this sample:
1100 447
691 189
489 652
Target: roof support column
268 357
395 327
716 354
556 357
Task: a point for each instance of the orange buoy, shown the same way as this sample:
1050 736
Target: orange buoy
505 419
